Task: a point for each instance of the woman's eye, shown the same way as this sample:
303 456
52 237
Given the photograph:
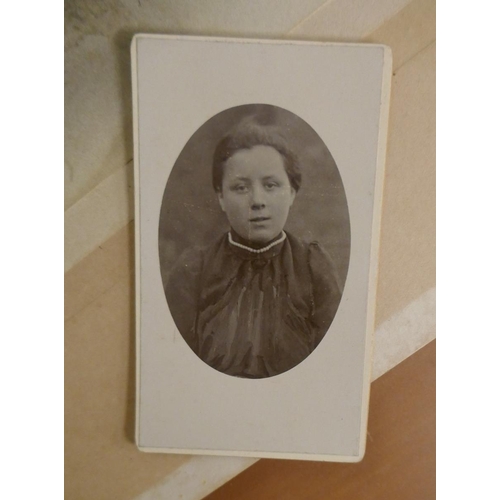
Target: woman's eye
240 189
271 185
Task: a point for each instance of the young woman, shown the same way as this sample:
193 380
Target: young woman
257 301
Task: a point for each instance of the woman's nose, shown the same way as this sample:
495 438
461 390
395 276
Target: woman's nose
258 198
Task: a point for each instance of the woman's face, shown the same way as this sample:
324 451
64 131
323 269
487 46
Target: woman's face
256 193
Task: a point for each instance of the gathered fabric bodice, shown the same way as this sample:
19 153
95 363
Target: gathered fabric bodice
252 314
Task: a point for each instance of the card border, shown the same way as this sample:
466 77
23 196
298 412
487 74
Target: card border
374 250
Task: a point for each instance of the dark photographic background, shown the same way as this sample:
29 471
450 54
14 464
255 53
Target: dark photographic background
190 213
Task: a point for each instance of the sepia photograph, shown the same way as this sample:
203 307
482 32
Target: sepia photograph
254 241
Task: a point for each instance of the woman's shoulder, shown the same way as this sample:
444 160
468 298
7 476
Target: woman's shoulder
311 248
320 263
193 257
186 273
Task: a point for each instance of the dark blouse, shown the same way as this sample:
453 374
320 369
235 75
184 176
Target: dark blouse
253 315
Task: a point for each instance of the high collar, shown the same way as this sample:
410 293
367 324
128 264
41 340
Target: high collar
248 253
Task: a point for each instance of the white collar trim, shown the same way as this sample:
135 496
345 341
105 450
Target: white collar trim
259 250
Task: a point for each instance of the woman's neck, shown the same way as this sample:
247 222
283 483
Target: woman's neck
253 244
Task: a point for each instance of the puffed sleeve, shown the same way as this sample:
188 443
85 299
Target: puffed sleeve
182 292
326 289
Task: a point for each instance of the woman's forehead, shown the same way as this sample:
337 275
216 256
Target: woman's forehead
258 161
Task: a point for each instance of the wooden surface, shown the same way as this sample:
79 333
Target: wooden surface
400 458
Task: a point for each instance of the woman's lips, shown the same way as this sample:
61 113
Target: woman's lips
260 219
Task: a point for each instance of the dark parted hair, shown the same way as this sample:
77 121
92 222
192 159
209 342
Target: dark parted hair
247 134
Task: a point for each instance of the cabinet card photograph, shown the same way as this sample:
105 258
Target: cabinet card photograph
258 171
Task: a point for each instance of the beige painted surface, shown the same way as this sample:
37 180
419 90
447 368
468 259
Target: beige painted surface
347 20
410 31
101 460
408 244
98 215
408 236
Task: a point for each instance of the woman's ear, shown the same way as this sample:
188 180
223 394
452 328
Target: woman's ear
292 199
221 200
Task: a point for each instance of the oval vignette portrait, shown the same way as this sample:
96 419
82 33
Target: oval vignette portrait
254 241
